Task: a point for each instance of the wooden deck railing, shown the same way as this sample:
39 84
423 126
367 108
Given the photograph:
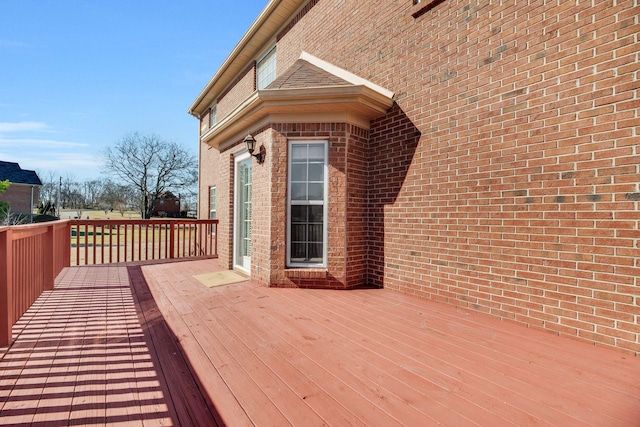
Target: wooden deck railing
31 256
107 241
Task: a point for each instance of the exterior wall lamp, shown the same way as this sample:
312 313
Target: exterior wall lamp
250 142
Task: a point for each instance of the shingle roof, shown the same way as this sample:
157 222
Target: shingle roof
16 175
303 74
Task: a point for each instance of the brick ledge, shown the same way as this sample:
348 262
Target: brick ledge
306 273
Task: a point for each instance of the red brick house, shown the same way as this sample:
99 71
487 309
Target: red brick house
167 205
24 189
482 155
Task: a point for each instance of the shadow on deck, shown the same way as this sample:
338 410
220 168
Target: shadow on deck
151 345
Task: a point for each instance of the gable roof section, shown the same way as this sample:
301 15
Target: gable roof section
16 175
311 90
303 74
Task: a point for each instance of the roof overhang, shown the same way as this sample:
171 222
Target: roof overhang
263 29
356 104
24 184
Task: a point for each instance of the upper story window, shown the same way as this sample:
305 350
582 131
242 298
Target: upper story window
266 69
213 115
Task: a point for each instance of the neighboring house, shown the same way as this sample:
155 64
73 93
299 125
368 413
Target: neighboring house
23 193
482 154
167 205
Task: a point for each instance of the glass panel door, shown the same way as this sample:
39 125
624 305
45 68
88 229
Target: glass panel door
242 246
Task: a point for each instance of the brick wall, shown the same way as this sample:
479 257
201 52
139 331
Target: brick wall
356 201
340 136
19 198
213 172
506 178
262 211
238 91
347 204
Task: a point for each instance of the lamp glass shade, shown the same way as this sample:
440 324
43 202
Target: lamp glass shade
250 142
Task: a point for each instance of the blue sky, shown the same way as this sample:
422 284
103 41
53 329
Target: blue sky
78 75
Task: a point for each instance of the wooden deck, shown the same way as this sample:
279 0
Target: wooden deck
174 352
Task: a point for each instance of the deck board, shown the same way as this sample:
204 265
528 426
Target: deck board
84 356
149 345
318 352
457 366
391 359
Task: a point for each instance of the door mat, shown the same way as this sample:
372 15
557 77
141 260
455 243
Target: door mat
220 278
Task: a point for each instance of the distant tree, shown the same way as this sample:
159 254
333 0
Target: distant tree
92 190
152 166
49 190
70 195
115 196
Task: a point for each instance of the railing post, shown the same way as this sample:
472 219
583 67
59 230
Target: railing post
49 257
6 288
67 244
216 241
172 240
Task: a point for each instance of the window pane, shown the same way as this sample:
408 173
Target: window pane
213 115
299 213
298 191
315 213
299 153
315 252
315 233
298 251
298 232
316 172
212 203
316 152
299 172
266 69
316 191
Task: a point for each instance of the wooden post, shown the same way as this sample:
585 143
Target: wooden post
67 245
6 288
49 257
216 239
172 240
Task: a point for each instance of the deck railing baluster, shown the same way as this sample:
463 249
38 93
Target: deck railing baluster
140 240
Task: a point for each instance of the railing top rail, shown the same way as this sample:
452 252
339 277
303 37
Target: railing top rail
26 230
143 221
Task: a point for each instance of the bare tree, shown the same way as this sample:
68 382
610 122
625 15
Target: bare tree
92 190
116 196
49 189
70 195
152 166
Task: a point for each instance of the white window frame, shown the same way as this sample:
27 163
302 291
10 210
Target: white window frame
212 202
324 202
213 115
266 69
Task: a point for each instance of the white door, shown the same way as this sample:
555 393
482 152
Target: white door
242 213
